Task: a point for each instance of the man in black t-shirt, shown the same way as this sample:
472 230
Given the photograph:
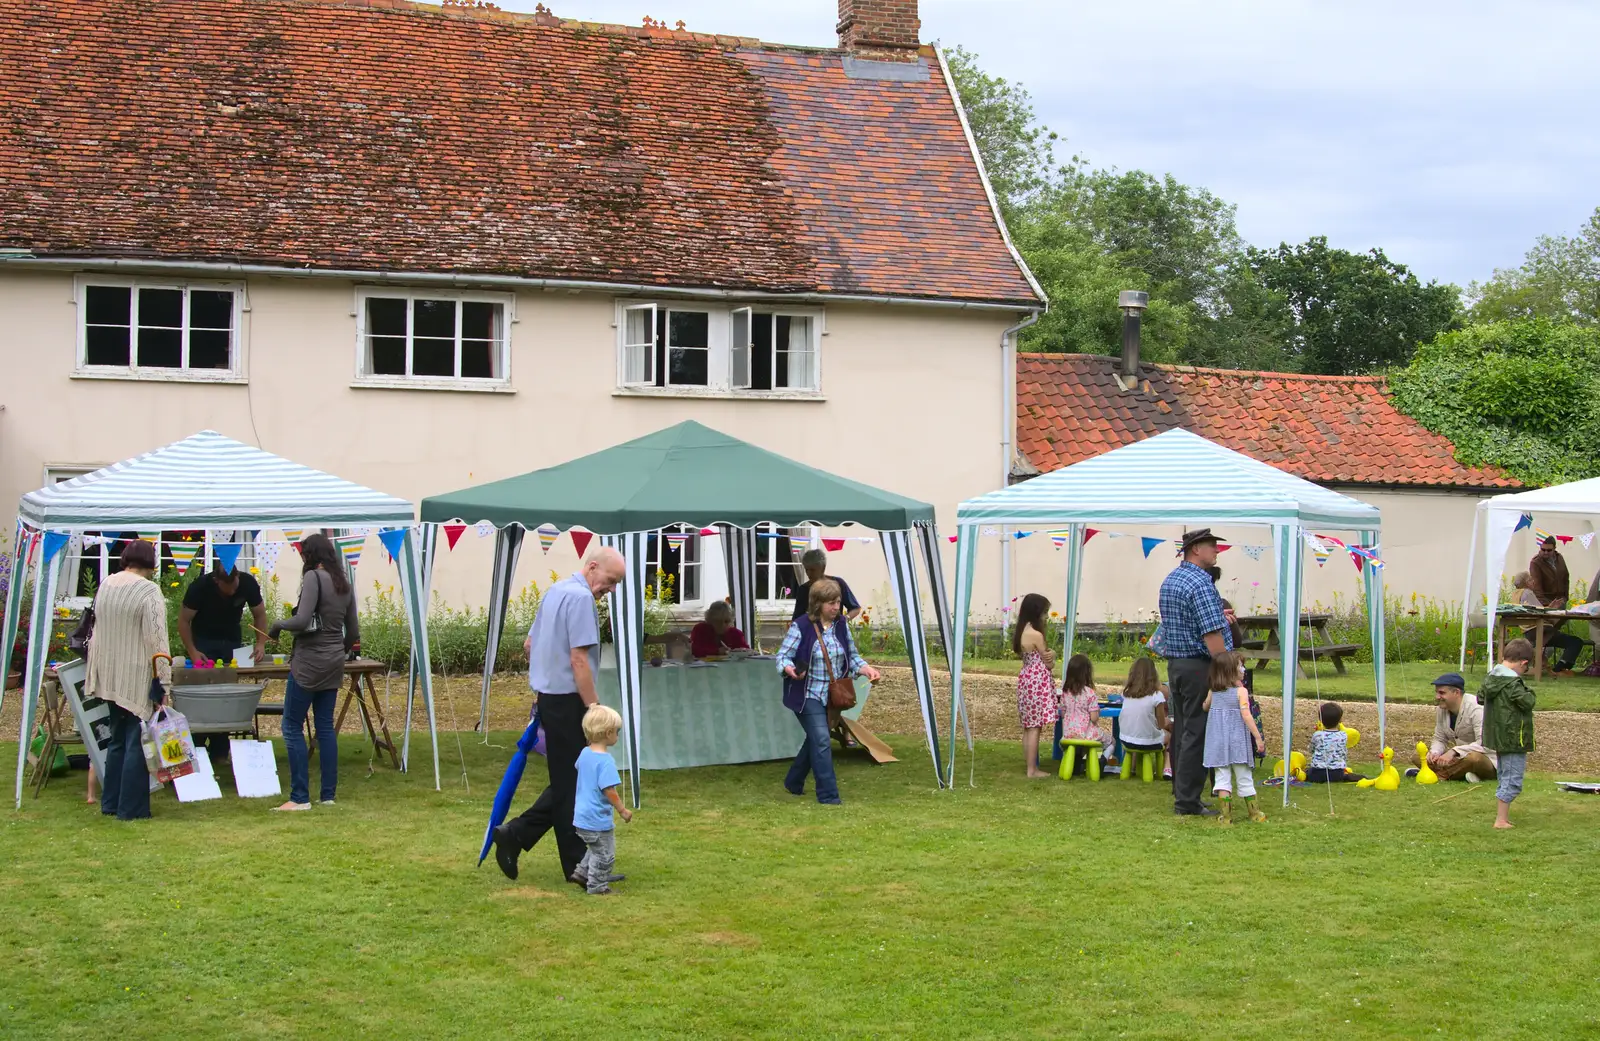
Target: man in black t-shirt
815 562
213 607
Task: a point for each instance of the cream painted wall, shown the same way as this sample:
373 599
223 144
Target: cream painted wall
1425 546
913 404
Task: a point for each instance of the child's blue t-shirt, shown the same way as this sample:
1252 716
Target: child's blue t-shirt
597 771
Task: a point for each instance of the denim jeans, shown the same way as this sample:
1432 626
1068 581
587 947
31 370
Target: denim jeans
1512 765
125 789
601 857
815 756
296 701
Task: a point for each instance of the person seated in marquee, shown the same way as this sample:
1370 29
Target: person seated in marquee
717 634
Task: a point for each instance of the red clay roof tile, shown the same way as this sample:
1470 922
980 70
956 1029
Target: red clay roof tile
382 134
1330 429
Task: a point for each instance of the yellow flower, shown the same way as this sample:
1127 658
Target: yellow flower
255 571
174 585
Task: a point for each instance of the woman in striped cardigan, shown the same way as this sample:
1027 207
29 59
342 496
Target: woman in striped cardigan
130 628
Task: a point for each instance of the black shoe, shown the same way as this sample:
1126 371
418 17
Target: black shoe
1204 811
581 881
505 853
1413 771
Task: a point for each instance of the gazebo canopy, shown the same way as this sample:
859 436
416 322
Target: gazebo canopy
1172 477
208 481
685 474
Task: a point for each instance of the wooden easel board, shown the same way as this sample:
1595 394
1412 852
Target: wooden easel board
880 752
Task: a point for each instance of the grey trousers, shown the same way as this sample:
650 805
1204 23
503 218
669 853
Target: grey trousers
602 856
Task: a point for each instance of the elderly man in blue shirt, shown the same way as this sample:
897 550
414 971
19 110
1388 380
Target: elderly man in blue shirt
1193 628
563 650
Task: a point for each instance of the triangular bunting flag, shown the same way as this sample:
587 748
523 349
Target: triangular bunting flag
1254 552
393 539
484 529
1541 535
350 547
707 532
293 535
1524 521
580 541
547 537
227 554
675 541
833 545
1060 540
990 533
183 554
267 556
1223 547
1089 533
1020 534
1148 544
452 533
53 542
952 538
1587 538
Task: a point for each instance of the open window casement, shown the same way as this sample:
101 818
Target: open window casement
740 346
639 345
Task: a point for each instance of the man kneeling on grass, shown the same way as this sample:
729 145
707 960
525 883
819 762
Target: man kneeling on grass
1457 752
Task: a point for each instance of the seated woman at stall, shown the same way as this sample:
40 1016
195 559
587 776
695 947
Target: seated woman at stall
717 635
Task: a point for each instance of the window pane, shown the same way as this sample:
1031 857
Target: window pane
388 355
478 359
160 348
689 368
761 355
105 345
106 305
478 321
208 349
386 317
433 357
433 318
688 328
209 309
161 307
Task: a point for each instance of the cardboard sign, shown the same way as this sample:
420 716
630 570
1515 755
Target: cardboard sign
255 771
200 785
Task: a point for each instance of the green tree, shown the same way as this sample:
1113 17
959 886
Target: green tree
1353 312
1018 153
1559 278
1522 395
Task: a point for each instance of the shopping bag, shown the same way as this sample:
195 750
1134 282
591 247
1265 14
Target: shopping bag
168 745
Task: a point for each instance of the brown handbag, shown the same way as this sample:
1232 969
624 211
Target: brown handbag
841 692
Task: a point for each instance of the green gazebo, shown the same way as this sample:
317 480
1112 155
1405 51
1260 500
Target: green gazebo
692 475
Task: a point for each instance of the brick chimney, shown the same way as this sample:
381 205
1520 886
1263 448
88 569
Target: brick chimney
880 30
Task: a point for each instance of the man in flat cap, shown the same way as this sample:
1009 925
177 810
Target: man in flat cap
1193 628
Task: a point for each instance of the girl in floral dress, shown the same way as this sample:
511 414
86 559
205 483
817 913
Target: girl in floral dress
1080 705
1036 706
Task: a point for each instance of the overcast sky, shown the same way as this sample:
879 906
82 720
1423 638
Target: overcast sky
1451 134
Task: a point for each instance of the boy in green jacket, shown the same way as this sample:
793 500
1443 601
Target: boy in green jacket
1508 722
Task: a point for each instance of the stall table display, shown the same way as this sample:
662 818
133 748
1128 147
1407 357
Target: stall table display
1270 648
361 691
1518 616
717 712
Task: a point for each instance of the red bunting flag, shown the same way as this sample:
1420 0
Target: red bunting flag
951 538
833 545
452 532
1223 547
1089 533
580 541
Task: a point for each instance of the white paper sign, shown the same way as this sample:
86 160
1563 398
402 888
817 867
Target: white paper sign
255 771
200 785
245 656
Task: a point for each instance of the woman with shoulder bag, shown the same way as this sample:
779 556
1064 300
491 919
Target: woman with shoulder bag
327 631
130 630
817 661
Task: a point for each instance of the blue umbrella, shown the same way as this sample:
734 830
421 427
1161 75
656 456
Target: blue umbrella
532 740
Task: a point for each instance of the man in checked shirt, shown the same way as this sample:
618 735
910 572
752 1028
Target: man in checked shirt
1193 628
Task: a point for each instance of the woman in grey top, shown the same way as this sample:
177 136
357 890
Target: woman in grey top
327 633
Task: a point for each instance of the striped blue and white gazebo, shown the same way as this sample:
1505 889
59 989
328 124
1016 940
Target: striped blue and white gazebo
202 482
1182 478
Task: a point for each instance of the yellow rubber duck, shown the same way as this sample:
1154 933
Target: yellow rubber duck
1425 774
1388 780
1297 766
1352 736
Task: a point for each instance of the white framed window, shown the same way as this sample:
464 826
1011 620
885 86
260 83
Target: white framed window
673 564
777 565
433 339
719 351
155 329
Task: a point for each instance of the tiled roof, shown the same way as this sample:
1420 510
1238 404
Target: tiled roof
386 135
1329 429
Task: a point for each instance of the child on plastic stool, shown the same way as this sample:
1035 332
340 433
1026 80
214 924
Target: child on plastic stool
1232 739
1079 705
1330 750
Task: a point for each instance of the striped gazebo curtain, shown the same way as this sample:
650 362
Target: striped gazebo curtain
507 549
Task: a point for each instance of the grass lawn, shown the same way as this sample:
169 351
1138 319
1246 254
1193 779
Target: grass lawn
1410 682
1013 909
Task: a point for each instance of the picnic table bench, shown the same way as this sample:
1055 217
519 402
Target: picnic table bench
1269 647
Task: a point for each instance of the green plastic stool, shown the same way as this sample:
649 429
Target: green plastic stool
1147 761
1069 757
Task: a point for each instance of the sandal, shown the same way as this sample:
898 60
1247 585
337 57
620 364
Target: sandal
292 807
